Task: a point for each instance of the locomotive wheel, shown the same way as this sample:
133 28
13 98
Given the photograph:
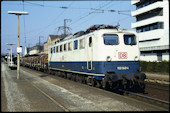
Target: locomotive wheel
69 75
115 85
73 77
93 82
98 84
64 74
130 84
105 85
83 80
141 85
90 81
80 79
77 78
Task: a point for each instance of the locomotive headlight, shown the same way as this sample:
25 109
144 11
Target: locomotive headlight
108 58
136 58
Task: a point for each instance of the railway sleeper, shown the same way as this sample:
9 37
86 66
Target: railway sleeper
160 81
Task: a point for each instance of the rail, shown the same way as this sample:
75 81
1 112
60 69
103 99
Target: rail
157 79
155 101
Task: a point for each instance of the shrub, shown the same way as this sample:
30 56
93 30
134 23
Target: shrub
160 67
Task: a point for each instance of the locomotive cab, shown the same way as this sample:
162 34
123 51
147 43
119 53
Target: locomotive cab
120 53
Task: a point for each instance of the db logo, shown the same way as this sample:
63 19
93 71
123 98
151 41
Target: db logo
122 55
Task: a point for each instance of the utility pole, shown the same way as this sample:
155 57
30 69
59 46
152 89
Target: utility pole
39 39
18 13
11 51
40 44
65 25
64 28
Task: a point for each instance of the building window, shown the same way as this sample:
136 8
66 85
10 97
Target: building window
158 25
159 56
150 14
151 28
155 26
146 3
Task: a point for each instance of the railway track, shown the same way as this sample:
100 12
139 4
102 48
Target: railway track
51 98
148 96
48 96
151 100
156 90
157 86
157 79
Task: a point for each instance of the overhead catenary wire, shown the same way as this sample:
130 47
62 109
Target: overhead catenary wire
89 13
98 9
68 7
52 22
42 5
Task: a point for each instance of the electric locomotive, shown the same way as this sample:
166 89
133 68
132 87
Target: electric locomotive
103 55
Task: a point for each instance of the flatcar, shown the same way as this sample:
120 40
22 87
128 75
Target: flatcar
38 62
102 56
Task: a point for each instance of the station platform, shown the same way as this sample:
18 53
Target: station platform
37 91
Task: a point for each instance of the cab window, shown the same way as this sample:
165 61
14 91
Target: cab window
130 39
110 39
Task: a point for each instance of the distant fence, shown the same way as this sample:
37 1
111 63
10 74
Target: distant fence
160 67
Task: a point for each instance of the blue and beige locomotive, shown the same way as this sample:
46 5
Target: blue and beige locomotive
103 56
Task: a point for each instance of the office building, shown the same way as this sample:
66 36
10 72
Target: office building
152 26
